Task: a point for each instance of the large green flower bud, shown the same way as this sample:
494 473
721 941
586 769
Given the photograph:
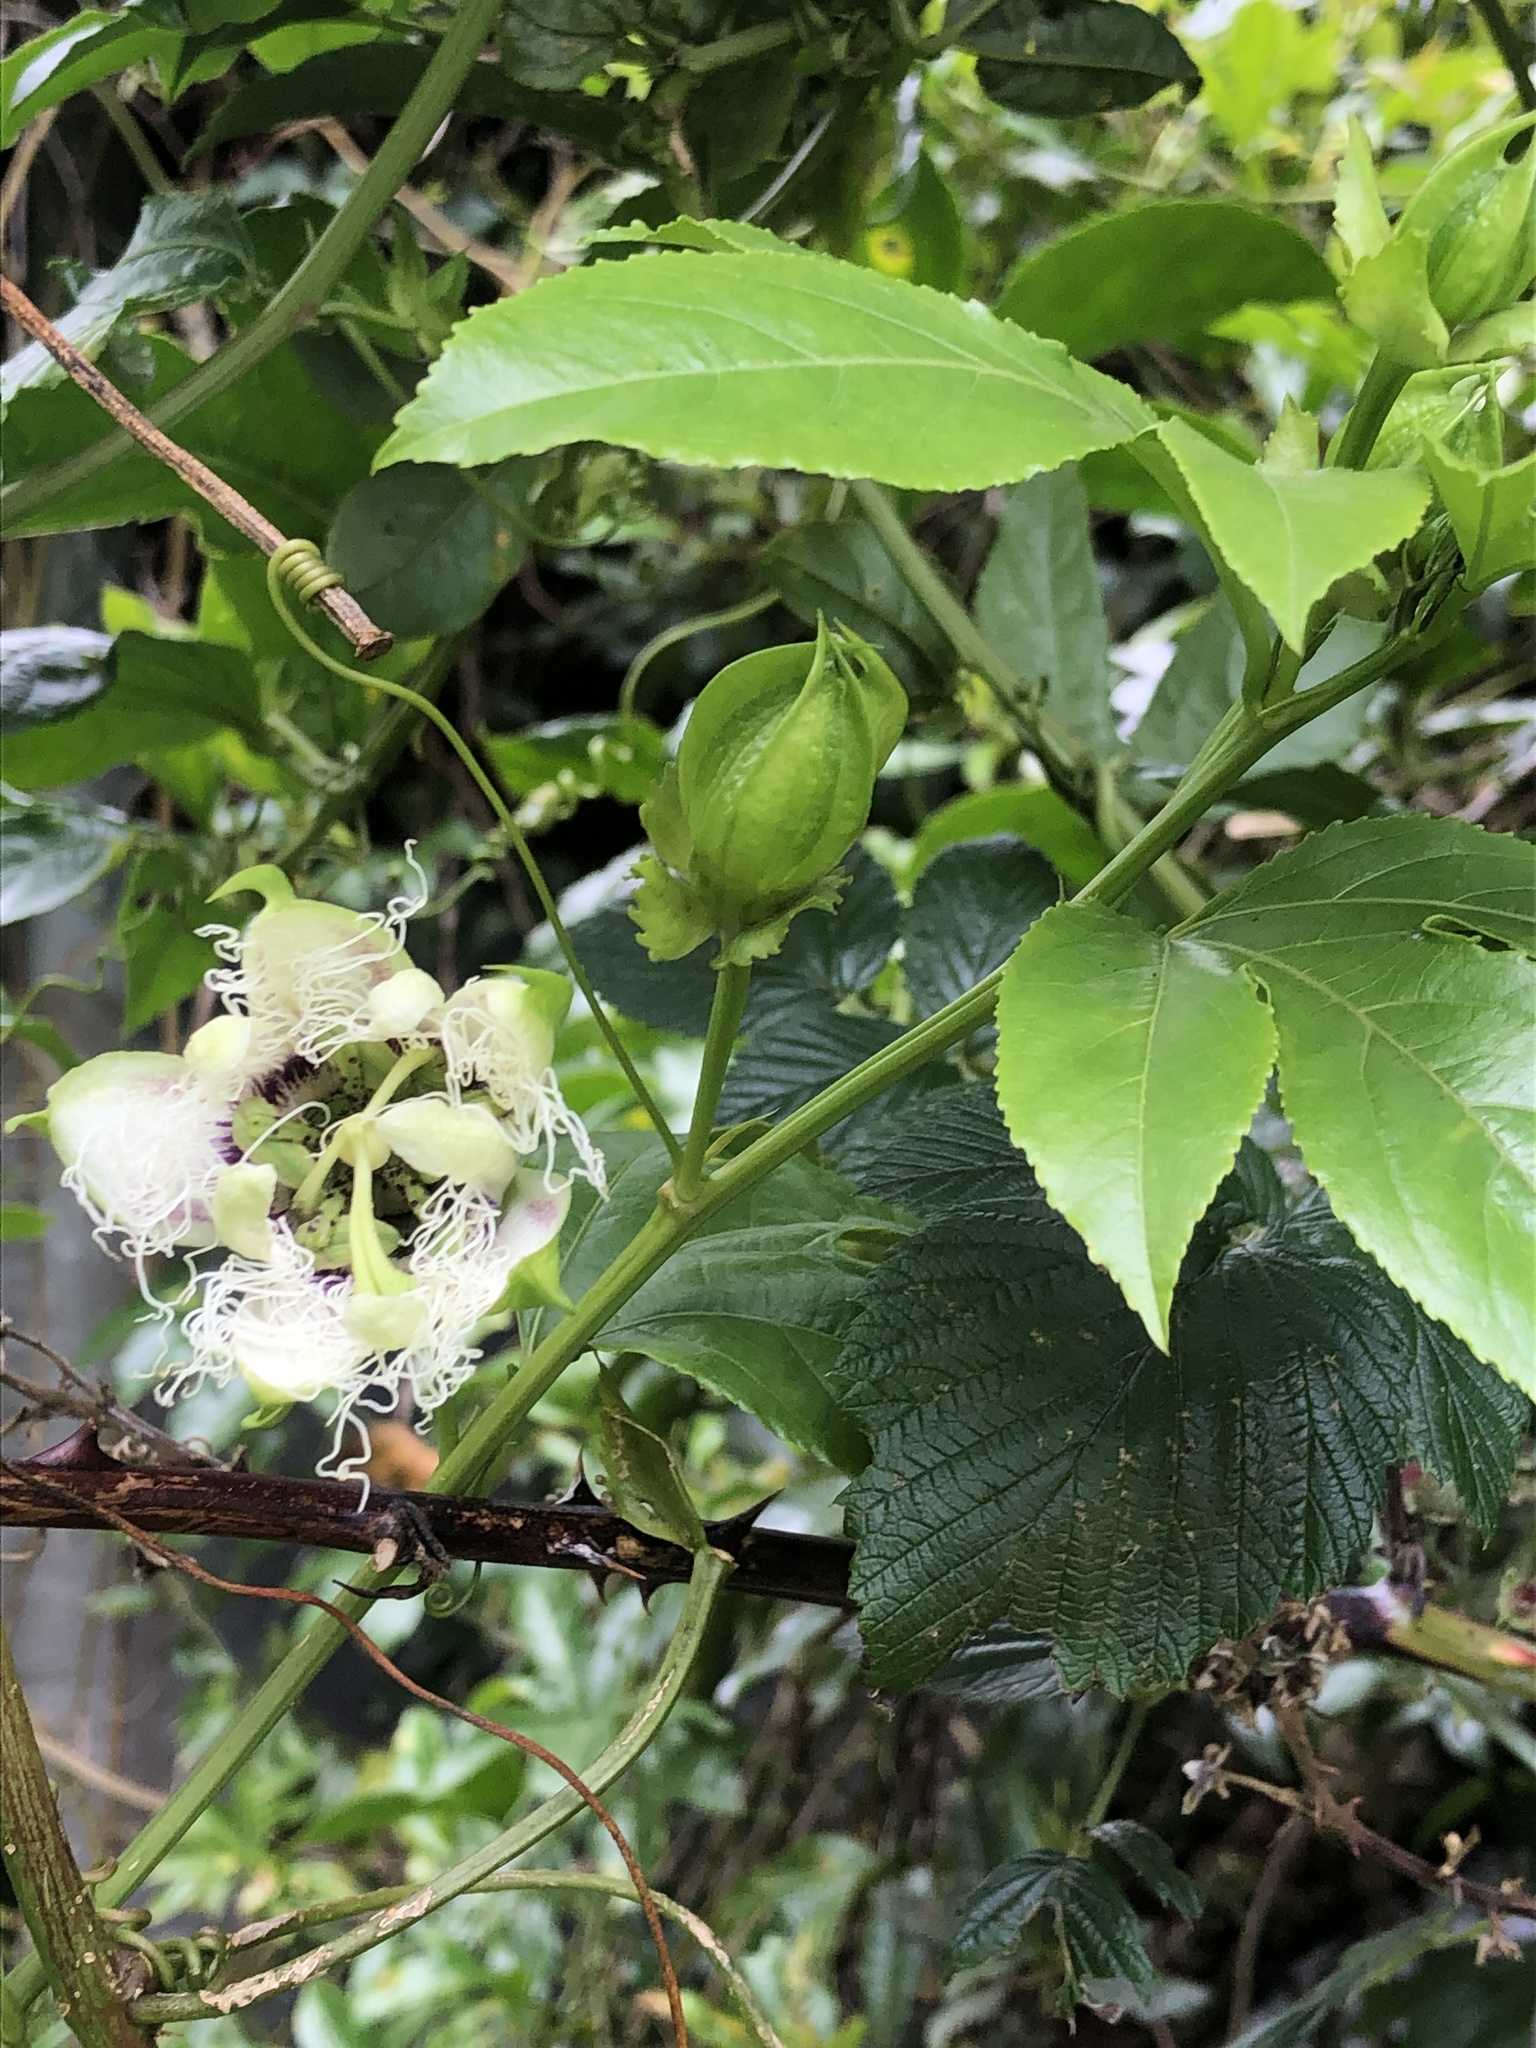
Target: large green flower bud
1478 213
775 776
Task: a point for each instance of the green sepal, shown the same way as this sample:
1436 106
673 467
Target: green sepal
263 880
27 1120
1359 218
550 992
266 1415
535 1283
641 1477
670 917
762 941
1507 333
662 821
1388 295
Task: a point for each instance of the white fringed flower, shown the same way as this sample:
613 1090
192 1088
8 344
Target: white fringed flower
499 1035
143 1140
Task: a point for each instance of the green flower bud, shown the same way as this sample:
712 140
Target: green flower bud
1478 211
775 775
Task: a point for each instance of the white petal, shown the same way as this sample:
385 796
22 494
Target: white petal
242 1209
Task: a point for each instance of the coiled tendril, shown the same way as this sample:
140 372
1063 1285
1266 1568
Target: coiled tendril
300 564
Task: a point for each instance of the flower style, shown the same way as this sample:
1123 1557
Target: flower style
354 1141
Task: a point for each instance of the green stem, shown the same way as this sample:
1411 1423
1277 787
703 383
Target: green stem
1517 55
1377 395
296 301
189 2005
710 1570
1125 1749
134 140
706 622
509 825
757 41
1062 751
730 1000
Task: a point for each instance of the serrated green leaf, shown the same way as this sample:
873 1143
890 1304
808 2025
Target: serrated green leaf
52 852
970 906
1035 1456
1162 272
831 954
753 1305
1097 1933
1359 218
1289 537
1404 1053
789 359
1362 1965
1149 1856
50 672
1038 602
1493 512
1129 1066
1086 59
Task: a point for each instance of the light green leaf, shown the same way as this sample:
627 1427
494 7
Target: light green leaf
1388 296
712 236
642 1478
1289 537
1038 603
1128 1068
1493 512
1038 816
1162 272
1405 1061
1509 333
186 246
1359 218
65 60
52 852
788 359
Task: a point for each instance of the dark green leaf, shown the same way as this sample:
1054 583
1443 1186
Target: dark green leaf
1376 1961
753 1305
1095 1930
1404 1060
186 246
669 995
1036 1457
933 1163
844 571
834 953
271 435
1149 1856
1322 795
1091 57
49 672
736 117
641 1475
1002 1668
53 852
424 547
799 1051
1162 272
1038 603
971 905
784 358
163 693
554 44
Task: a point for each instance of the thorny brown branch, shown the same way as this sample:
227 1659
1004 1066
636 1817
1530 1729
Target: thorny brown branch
163 1555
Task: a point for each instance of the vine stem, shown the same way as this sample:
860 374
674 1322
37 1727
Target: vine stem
304 555
368 640
1125 1749
74 1950
725 1013
710 1570
162 2010
296 301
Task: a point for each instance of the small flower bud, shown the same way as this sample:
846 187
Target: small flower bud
463 1143
1478 210
401 1005
775 774
242 1209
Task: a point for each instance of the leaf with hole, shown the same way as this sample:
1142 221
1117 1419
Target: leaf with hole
1404 1052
